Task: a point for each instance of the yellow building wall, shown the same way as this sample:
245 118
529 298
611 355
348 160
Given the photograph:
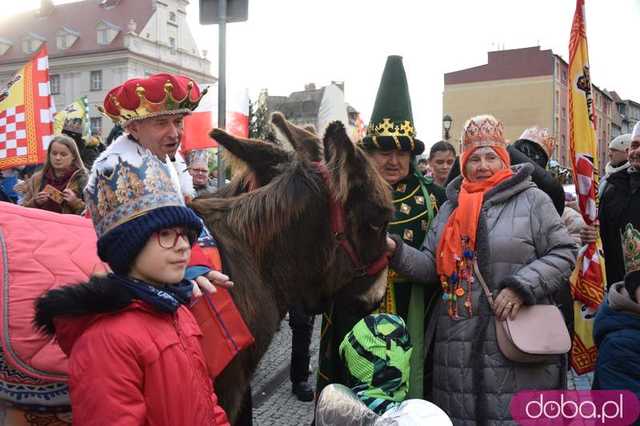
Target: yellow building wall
518 103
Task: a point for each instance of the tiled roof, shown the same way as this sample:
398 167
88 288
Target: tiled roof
80 17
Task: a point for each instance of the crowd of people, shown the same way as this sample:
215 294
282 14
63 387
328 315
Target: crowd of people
494 214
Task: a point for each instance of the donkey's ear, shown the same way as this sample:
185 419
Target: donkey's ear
304 141
337 143
261 157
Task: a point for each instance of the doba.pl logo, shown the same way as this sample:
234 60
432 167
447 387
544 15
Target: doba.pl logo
611 408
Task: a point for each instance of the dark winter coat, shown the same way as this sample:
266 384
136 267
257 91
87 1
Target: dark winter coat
128 363
617 335
619 205
521 244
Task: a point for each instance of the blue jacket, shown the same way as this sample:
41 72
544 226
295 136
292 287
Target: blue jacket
617 335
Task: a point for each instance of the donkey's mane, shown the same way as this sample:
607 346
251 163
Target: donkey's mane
258 216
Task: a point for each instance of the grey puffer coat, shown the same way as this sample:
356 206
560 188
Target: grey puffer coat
521 244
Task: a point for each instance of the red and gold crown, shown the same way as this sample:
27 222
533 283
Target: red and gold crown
482 130
158 94
540 136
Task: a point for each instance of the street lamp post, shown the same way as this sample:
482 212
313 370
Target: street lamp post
222 82
221 12
446 125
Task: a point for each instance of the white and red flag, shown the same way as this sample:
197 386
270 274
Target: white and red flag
198 125
26 125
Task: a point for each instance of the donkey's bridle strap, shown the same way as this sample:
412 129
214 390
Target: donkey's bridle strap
338 219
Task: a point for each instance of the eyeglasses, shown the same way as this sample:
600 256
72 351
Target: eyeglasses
168 238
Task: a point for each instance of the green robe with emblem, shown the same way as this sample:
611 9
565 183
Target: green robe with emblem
416 200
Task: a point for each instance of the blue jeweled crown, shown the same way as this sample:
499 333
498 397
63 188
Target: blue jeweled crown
125 192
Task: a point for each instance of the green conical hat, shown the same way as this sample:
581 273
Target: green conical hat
391 125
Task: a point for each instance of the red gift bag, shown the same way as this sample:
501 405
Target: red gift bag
224 331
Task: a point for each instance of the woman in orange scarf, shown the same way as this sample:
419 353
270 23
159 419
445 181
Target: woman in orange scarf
497 217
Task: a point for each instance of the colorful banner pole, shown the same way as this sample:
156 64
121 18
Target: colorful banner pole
588 279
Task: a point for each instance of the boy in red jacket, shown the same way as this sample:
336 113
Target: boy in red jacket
133 345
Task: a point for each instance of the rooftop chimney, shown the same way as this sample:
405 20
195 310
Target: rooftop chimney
132 25
310 86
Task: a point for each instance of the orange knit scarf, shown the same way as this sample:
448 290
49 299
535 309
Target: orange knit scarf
458 241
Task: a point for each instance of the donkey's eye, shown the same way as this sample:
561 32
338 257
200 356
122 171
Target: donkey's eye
378 226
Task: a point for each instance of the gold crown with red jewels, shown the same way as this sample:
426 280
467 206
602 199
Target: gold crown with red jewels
156 95
483 130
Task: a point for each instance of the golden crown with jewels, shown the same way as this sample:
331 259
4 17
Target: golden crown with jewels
483 130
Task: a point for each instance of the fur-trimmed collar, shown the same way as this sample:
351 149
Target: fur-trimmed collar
620 300
98 296
520 181
127 149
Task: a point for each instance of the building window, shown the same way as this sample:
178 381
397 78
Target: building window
96 80
54 84
61 41
172 16
103 37
564 113
564 76
106 32
27 45
172 44
96 126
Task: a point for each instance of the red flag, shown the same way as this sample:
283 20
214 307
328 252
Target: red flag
26 125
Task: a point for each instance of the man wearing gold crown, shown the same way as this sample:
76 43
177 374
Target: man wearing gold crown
151 111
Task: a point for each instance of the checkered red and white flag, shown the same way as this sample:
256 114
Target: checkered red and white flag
26 126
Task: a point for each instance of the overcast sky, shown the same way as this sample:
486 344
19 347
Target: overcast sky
287 43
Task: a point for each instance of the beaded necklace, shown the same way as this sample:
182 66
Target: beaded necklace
454 286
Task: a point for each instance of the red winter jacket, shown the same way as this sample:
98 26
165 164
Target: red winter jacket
129 364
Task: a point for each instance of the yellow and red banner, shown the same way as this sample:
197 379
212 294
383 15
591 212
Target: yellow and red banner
588 279
26 126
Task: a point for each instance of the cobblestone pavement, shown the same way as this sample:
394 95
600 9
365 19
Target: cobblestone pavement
273 402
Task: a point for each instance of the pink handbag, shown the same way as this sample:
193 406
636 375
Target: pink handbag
538 334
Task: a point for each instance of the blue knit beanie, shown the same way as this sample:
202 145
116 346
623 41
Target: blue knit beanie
121 245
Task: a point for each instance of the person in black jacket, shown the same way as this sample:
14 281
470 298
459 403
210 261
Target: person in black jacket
619 207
